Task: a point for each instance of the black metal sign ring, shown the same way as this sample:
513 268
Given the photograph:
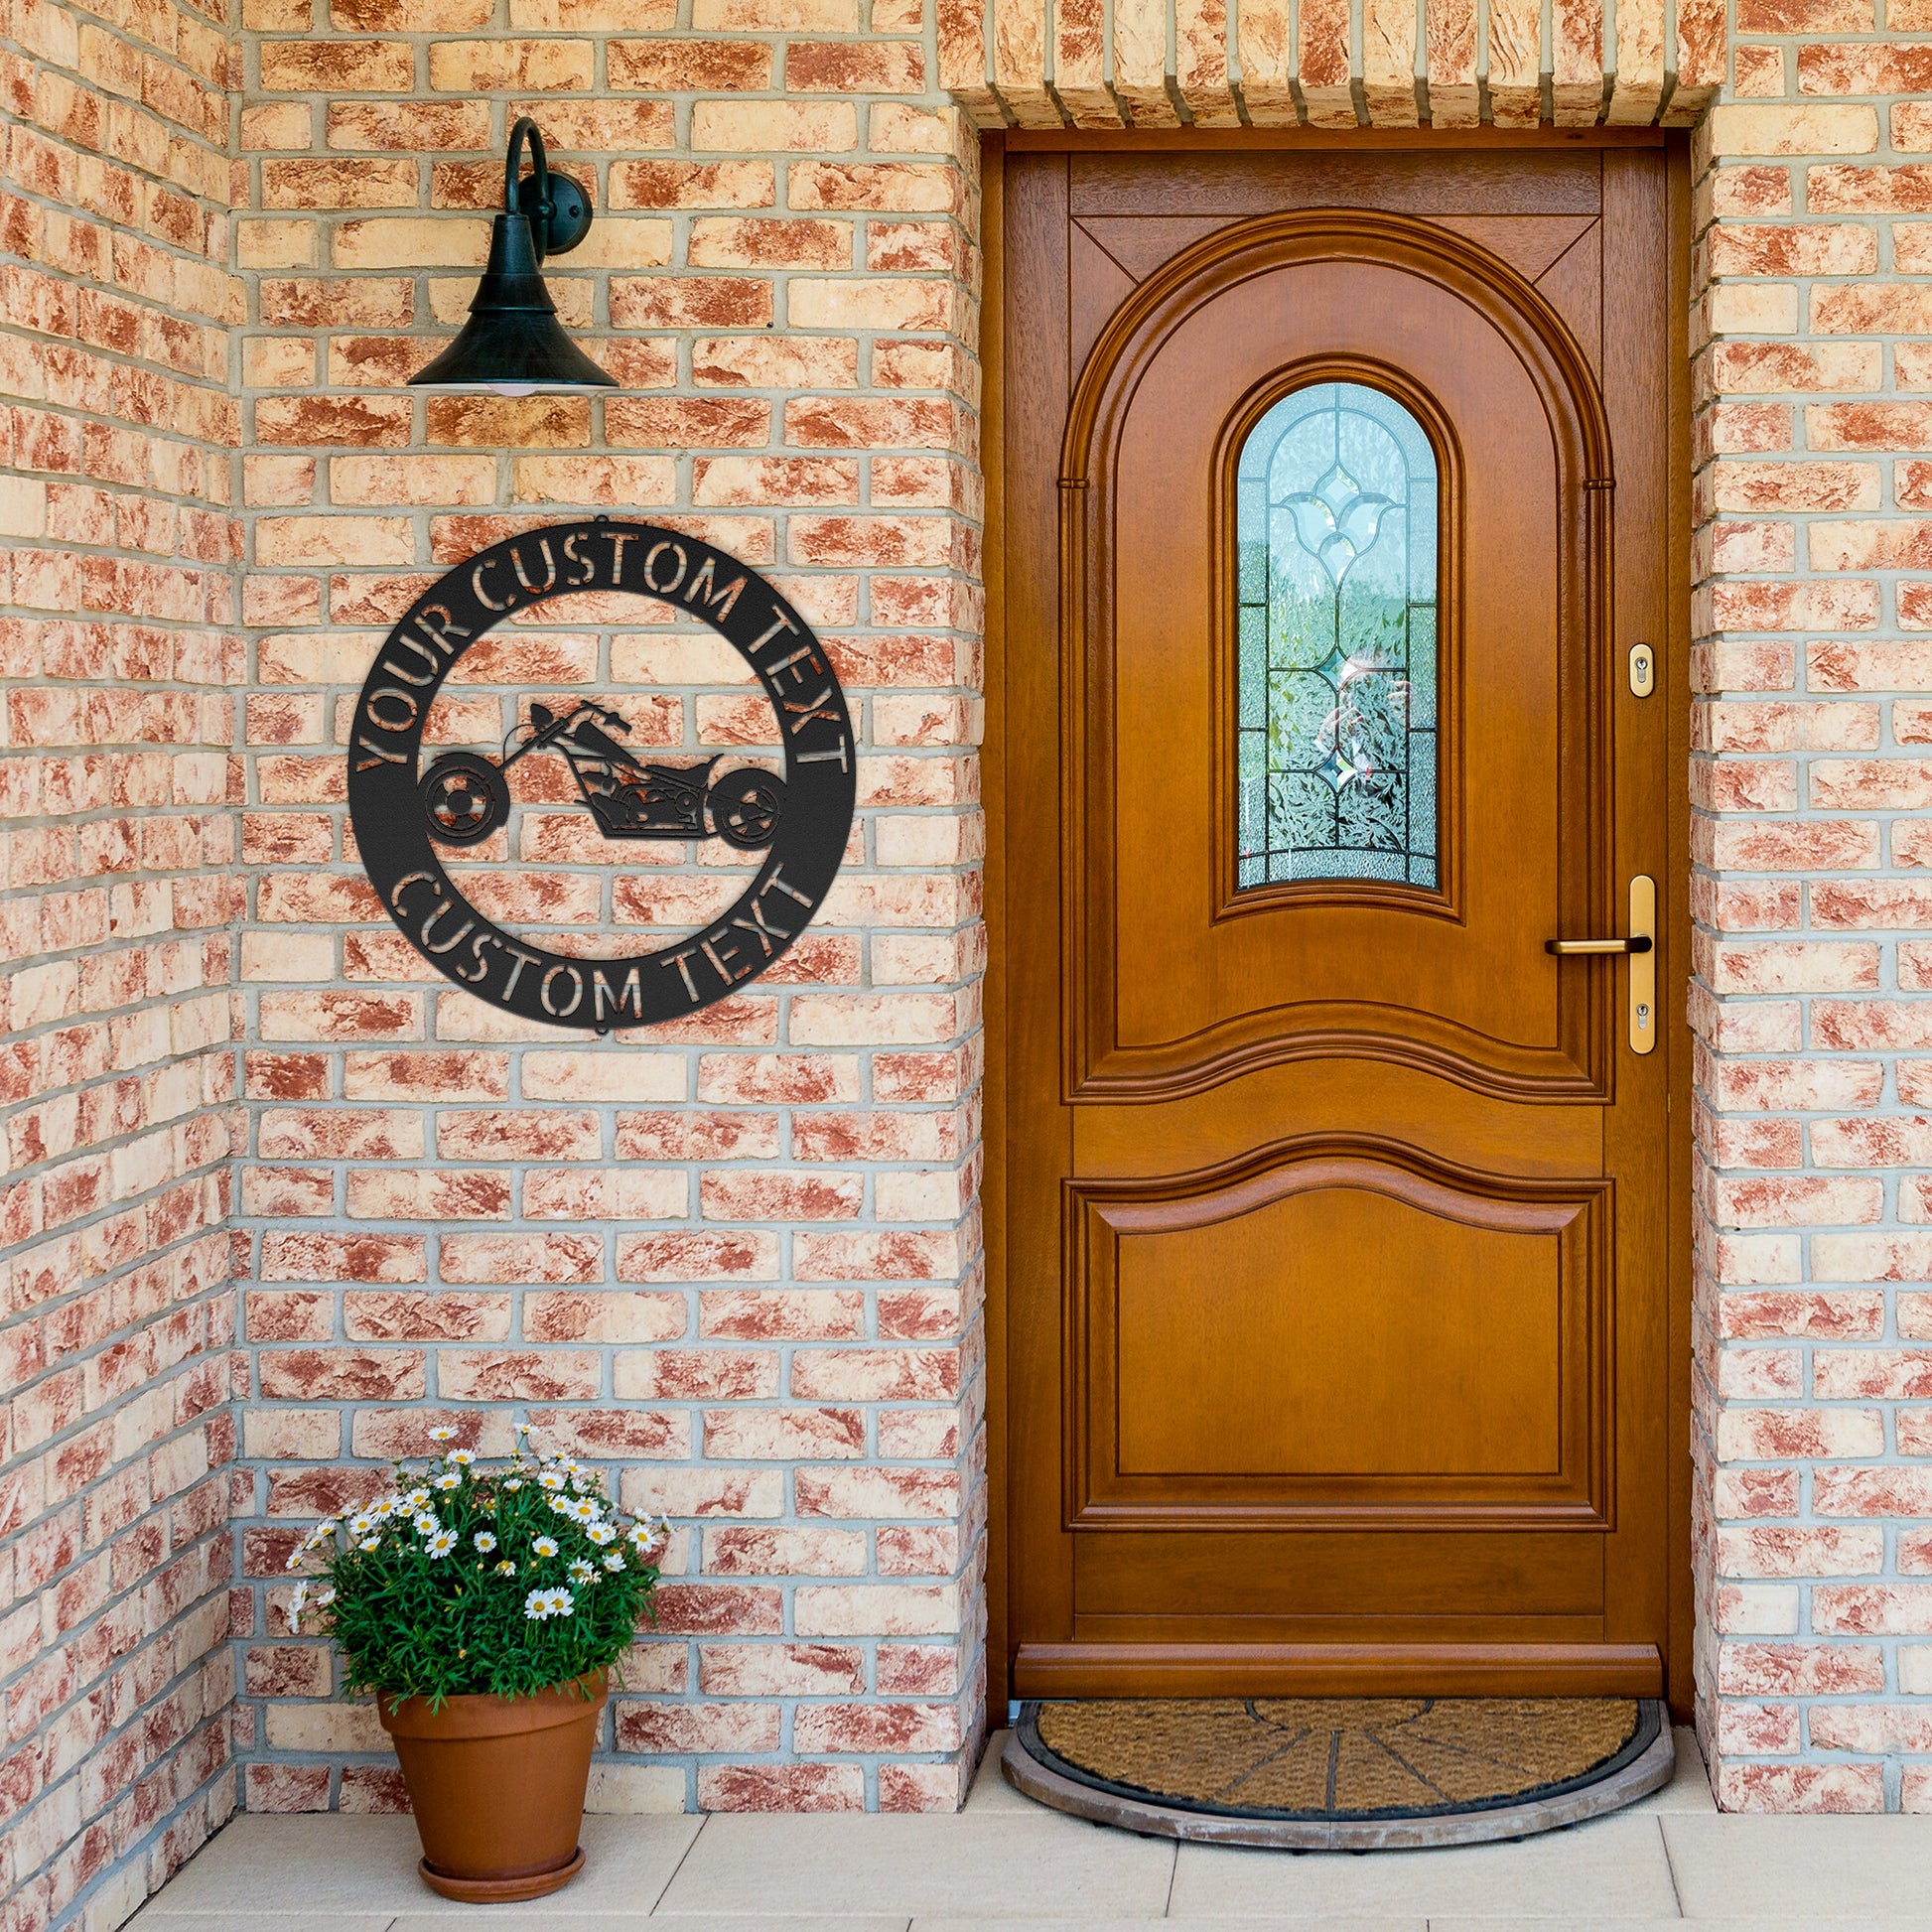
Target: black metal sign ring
406 817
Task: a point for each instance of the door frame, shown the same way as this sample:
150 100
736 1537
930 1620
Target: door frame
994 149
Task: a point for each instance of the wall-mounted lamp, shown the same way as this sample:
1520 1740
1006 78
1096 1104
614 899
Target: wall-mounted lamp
513 343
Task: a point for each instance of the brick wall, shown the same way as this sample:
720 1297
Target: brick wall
1810 782
737 1261
734 1260
121 677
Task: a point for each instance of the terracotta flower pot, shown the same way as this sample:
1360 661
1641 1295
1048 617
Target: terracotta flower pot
498 1787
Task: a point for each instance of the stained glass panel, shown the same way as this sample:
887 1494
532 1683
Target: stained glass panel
1337 524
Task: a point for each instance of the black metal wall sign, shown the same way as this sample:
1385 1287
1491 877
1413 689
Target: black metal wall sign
407 815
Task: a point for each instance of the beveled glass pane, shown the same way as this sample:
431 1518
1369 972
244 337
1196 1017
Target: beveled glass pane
1336 676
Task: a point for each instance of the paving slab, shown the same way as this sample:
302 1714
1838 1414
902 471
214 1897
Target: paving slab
1794 1868
297 1867
309 1866
990 1789
1613 1868
534 1917
1403 1923
1799 1924
1689 1788
157 1920
1041 1866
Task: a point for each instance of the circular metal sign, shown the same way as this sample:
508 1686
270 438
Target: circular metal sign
407 818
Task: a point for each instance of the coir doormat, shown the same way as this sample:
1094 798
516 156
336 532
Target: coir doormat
1341 1772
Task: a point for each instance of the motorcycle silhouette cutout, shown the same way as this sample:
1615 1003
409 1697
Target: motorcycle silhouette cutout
465 795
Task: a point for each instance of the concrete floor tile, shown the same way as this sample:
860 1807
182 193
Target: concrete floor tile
1834 1869
304 1866
307 1867
780 1922
532 1918
155 1919
1041 1866
991 1791
1404 1924
1615 1867
1689 1788
1671 1924
557 1915
1799 1924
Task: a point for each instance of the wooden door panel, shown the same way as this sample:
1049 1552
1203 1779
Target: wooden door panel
1329 1335
1318 1577
1333 1095
1531 244
1574 287
1456 976
1519 182
1336 1335
1336 1250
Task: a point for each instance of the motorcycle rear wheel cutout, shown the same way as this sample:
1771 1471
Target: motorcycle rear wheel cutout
466 797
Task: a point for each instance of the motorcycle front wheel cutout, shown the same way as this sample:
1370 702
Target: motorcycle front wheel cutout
745 807
464 798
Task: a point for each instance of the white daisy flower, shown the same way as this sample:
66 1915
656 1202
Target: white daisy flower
585 1510
601 1533
361 1523
613 1561
370 1543
550 1479
515 1483
442 1543
461 1457
582 1572
507 1567
562 1603
295 1558
544 1546
444 1435
296 1603
536 1606
416 1499
484 1542
324 1596
449 1479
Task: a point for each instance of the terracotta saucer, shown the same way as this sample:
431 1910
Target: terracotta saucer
501 1891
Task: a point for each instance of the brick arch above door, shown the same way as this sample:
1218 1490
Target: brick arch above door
1331 63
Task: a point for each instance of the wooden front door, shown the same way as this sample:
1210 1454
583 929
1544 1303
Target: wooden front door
1338 1209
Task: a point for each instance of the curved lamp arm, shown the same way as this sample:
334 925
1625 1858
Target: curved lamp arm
527 129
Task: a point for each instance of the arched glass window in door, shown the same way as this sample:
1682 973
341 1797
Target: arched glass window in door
1336 528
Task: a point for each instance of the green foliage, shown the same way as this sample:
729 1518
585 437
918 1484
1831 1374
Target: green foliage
465 1578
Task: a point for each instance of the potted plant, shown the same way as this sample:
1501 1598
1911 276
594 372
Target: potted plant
486 1607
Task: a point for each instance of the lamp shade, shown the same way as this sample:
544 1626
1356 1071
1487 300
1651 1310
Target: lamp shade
513 343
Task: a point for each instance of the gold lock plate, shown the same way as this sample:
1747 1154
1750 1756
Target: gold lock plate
1643 670
1643 965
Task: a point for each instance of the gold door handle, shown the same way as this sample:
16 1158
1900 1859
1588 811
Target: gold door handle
1570 948
1641 946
